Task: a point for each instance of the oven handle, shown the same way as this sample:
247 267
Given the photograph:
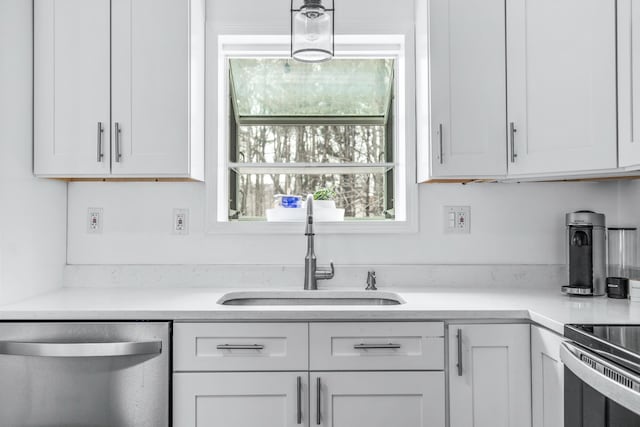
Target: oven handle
571 356
80 349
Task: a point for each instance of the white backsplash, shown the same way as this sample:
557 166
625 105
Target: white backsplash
515 276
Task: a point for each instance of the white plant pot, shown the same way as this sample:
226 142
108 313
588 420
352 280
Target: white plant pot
324 204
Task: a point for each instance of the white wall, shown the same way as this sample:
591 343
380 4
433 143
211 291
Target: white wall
630 203
32 212
630 212
510 223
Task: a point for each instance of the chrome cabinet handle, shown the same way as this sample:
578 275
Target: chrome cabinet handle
118 153
100 132
512 141
240 347
318 401
440 134
375 346
299 400
81 349
459 365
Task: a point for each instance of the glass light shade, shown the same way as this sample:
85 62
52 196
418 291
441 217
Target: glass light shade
312 34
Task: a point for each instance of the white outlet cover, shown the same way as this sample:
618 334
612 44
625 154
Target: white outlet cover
457 219
180 224
94 220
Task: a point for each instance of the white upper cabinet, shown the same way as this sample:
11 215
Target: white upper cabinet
140 64
628 83
151 87
489 376
71 87
561 68
468 89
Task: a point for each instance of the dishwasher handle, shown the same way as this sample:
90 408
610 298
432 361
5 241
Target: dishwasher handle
80 349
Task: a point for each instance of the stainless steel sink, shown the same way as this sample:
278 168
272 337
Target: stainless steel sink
288 298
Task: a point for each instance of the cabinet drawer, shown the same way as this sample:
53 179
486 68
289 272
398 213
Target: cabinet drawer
377 346
240 346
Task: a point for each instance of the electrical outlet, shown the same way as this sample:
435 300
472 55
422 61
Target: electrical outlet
94 220
181 221
457 219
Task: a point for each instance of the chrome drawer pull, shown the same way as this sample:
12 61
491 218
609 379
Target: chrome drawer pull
440 134
318 391
512 141
240 347
459 364
376 346
299 400
80 349
118 153
100 132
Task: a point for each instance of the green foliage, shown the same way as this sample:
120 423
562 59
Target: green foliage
324 194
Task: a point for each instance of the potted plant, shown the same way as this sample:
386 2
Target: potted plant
323 198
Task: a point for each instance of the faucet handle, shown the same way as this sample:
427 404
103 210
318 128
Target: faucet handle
371 281
324 274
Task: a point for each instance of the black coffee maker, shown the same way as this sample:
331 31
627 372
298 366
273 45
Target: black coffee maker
586 233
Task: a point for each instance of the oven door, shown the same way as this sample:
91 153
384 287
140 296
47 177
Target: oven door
598 393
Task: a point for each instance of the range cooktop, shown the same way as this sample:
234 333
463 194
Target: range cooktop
618 343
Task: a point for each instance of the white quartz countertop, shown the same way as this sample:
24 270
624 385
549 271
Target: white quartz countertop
546 307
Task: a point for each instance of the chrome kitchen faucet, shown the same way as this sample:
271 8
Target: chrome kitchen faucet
311 273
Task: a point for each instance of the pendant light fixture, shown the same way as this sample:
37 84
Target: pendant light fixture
312 30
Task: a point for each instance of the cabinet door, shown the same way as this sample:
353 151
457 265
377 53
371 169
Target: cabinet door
377 399
561 68
240 399
468 88
547 379
150 82
489 376
71 87
628 83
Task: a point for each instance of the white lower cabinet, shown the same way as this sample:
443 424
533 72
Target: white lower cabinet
547 378
366 374
489 375
377 399
240 399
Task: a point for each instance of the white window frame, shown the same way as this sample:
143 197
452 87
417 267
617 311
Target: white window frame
347 46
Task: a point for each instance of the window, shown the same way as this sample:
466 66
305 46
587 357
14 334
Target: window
285 127
296 128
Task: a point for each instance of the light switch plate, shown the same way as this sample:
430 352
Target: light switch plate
457 219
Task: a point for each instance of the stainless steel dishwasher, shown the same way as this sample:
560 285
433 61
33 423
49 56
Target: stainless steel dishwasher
84 374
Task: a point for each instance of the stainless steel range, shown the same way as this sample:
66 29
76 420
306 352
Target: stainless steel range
602 375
